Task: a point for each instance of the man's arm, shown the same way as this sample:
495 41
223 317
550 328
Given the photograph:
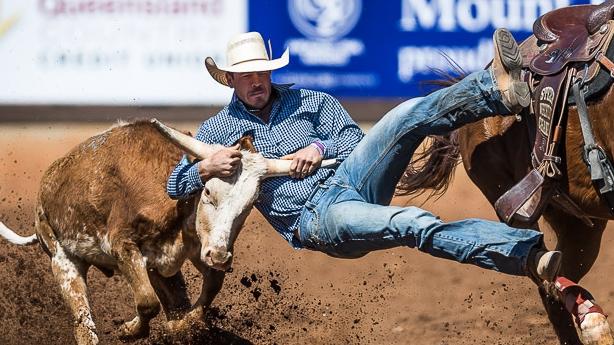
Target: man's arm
184 180
189 177
338 133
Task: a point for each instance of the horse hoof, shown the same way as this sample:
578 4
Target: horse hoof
134 329
596 330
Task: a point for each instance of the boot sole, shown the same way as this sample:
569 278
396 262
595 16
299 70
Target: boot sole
509 51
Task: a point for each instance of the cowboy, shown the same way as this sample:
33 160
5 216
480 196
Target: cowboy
344 212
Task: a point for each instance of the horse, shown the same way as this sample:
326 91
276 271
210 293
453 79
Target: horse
496 154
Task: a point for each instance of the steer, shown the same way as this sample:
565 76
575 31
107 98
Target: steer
104 204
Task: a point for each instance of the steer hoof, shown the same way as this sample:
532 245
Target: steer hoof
187 330
134 329
195 316
176 326
596 330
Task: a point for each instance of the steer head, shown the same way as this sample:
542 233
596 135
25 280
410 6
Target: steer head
223 207
225 202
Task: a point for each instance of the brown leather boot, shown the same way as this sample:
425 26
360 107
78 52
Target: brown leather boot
506 67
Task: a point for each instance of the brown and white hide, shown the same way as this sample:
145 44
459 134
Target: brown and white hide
104 204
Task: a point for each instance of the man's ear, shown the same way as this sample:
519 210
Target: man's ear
247 143
230 79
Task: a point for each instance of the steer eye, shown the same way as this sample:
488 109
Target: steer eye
206 197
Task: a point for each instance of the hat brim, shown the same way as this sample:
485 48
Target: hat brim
219 73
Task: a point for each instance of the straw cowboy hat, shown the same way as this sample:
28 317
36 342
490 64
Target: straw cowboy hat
246 53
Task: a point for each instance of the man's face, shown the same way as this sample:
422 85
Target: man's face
253 88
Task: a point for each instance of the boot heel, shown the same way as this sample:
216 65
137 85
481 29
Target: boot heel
520 91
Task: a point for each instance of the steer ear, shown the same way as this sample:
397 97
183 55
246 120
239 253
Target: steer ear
247 143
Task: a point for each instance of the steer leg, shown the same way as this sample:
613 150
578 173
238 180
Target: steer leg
172 292
70 274
212 283
133 267
580 246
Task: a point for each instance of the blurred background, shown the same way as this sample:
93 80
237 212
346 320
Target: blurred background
89 60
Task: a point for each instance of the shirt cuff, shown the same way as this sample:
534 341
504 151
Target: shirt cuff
194 177
319 146
330 149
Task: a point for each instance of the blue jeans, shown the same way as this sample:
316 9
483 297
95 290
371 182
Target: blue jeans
347 215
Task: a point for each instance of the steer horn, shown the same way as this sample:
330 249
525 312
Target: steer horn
192 146
281 167
275 167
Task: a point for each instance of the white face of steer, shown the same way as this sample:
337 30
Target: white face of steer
224 204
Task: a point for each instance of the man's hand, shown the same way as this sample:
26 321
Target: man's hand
222 163
304 161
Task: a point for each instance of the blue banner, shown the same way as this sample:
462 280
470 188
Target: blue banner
371 48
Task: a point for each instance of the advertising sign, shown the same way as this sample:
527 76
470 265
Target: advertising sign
126 52
151 52
364 48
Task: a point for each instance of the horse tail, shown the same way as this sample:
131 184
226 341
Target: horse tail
432 169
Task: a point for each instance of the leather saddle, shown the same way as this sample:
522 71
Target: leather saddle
570 34
569 45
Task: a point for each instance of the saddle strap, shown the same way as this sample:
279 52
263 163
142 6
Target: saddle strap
547 104
606 62
599 165
562 199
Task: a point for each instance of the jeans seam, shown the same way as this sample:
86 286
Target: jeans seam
399 136
456 239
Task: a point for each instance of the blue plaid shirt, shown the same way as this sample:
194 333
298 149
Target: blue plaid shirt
298 118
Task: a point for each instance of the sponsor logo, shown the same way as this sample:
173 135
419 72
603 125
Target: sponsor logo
324 19
477 15
134 7
6 23
462 17
423 60
325 23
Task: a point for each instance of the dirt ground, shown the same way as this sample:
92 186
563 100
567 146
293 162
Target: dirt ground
277 295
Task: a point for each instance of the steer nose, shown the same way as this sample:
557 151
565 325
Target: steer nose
219 259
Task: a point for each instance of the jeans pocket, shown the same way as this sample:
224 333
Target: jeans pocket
311 234
307 223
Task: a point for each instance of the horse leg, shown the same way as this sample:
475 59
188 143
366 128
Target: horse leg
580 246
70 273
